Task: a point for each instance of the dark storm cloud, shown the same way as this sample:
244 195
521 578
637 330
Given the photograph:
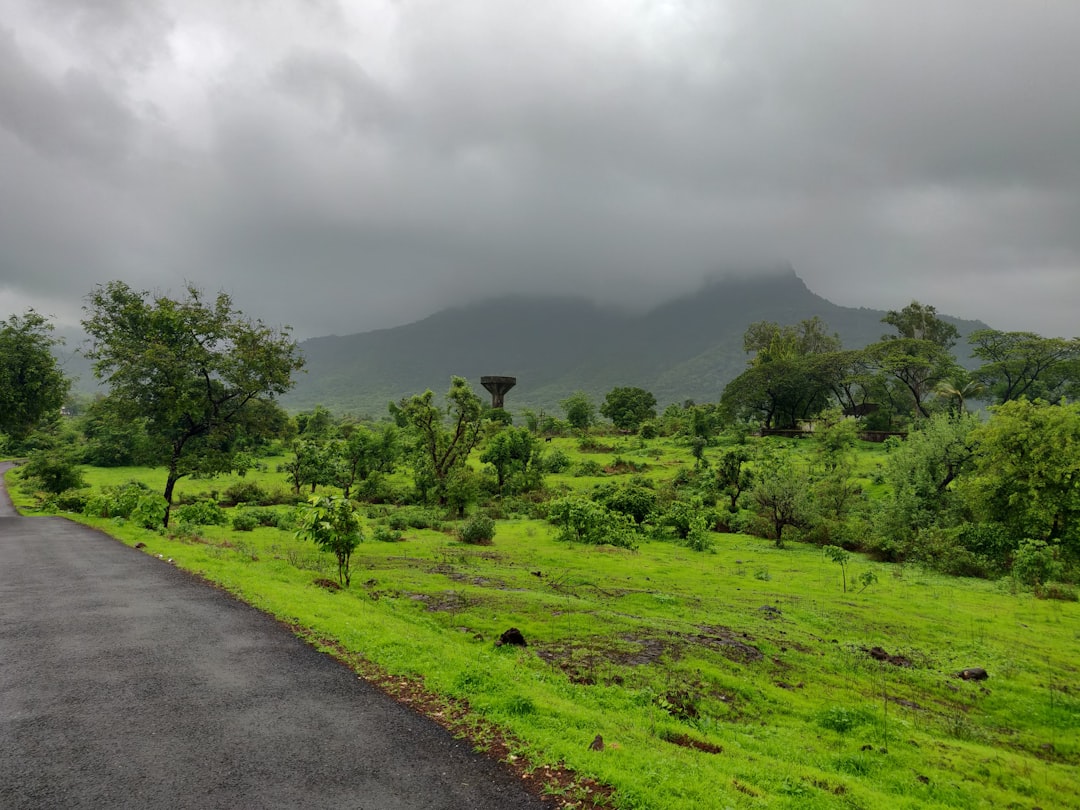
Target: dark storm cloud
344 168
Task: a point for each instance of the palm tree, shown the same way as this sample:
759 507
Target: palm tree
958 389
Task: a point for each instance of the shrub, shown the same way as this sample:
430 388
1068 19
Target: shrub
244 521
70 500
581 520
588 469
53 470
478 530
244 492
1036 562
556 461
149 511
384 534
117 501
202 513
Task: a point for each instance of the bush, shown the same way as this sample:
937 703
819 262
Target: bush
384 534
244 492
149 511
587 469
556 461
244 521
70 500
415 517
117 501
478 530
581 520
53 470
203 513
1036 562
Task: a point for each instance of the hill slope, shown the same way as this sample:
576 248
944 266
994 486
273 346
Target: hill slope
687 348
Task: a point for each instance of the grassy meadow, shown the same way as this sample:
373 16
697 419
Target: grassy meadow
744 677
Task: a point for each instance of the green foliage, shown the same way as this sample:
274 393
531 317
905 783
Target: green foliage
386 534
1024 364
312 464
780 499
478 530
627 407
439 449
580 410
581 520
244 520
53 469
515 456
333 524
32 387
921 322
201 375
733 475
364 453
633 500
841 558
204 512
556 461
1036 562
1026 472
113 439
920 474
244 492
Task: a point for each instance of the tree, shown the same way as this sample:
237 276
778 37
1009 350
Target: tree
733 475
1027 472
310 465
365 452
784 384
780 498
32 387
515 455
580 410
920 474
921 322
333 524
439 449
915 367
1024 364
200 373
113 440
628 407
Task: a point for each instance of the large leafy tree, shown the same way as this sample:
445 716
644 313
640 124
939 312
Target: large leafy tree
442 437
32 387
1027 475
921 322
1024 364
514 454
786 382
914 369
198 372
627 407
580 410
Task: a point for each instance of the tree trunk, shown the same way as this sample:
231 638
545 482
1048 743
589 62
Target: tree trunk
170 483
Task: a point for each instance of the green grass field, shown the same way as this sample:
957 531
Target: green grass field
740 678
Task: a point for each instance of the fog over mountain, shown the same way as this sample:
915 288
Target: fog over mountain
344 167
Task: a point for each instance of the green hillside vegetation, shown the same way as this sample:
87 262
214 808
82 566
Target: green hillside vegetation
688 348
745 676
743 602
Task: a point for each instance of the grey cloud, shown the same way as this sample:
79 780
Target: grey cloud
76 117
921 150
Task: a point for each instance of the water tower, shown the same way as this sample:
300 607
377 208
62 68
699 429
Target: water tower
498 387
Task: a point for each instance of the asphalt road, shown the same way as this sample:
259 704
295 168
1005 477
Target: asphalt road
126 683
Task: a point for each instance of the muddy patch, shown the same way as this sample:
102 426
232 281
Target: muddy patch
687 741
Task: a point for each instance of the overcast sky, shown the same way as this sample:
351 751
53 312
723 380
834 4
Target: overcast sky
348 166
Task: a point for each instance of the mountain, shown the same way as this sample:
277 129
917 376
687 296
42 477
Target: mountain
687 348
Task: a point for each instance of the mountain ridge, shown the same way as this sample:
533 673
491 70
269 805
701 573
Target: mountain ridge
688 347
